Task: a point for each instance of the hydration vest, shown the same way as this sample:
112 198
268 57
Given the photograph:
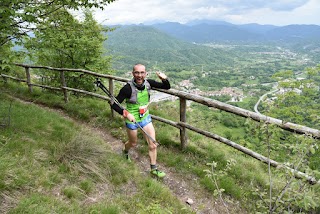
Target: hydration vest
134 91
138 99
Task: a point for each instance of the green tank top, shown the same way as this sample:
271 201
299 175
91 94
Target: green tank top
133 108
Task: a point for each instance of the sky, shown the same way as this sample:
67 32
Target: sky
274 12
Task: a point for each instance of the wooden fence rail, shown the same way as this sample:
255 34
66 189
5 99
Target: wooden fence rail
182 125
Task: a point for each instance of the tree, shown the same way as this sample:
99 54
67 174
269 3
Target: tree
19 17
287 194
7 56
299 101
63 41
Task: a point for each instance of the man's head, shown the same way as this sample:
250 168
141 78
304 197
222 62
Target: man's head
139 73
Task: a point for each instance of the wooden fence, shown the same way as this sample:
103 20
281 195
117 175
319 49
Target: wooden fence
182 124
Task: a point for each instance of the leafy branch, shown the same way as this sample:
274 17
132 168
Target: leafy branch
215 175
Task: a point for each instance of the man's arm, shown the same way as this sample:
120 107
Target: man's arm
124 93
165 84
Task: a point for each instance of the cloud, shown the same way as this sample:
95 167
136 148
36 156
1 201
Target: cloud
285 5
305 14
277 12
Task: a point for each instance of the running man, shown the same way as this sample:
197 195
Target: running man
136 93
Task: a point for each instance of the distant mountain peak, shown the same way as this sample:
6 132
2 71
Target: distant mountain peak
207 31
206 21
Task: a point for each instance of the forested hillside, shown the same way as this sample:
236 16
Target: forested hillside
150 46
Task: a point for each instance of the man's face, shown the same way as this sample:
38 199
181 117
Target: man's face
139 73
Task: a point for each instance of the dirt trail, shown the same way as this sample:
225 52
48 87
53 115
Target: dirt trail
184 188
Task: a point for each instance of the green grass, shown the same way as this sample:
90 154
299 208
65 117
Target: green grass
59 163
50 164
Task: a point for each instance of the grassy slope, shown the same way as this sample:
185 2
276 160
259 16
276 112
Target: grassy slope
49 164
239 183
192 161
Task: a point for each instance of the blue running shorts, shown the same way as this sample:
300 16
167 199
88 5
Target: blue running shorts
143 123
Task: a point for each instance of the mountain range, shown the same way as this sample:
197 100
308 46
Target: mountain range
180 44
213 31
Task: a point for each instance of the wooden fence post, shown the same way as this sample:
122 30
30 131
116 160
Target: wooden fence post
28 79
111 92
183 118
63 85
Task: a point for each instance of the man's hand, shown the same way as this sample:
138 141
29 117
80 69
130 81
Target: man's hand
131 118
161 75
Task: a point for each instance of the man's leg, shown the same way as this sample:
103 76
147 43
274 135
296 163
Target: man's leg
152 147
132 141
149 129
